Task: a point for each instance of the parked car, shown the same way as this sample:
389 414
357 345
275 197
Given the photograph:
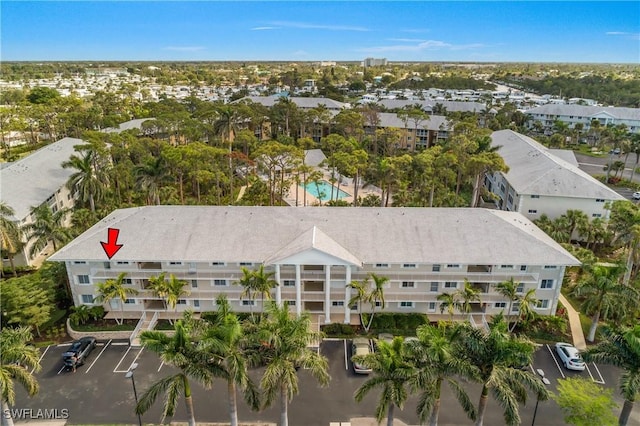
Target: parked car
569 356
360 346
80 349
615 151
636 195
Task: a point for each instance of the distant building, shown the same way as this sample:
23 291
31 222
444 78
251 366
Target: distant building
585 114
415 134
540 182
375 62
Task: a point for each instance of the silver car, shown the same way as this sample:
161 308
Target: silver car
569 356
360 346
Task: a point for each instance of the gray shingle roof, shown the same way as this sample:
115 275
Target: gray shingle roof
586 111
30 181
313 157
127 125
371 235
300 101
428 105
390 119
534 170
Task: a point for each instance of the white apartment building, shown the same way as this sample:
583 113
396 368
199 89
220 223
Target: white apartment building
315 252
34 180
585 114
543 181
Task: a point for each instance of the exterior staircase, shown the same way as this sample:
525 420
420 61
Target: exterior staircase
147 321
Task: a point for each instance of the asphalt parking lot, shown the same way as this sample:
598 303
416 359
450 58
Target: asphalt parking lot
99 393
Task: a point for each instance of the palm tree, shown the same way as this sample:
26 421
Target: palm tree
226 126
285 346
89 181
494 353
604 296
360 297
434 355
526 307
467 295
450 303
150 177
365 293
158 285
179 352
509 290
392 373
18 362
10 233
175 291
263 283
376 295
47 227
224 340
621 347
114 290
248 281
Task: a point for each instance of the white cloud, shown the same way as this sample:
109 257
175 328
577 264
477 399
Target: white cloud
264 28
423 45
310 26
415 30
407 40
185 48
632 36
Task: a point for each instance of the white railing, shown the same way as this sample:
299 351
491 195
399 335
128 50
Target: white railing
136 330
154 321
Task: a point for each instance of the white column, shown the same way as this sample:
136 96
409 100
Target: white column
298 292
327 294
347 295
278 287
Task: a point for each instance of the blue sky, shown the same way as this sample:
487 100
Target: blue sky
300 31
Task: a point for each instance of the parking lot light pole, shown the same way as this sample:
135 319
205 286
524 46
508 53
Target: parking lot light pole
546 383
129 375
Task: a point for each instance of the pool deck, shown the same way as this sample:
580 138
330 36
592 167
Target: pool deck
346 186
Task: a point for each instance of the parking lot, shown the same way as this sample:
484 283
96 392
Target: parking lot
98 392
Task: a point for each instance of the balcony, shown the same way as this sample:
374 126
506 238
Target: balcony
150 265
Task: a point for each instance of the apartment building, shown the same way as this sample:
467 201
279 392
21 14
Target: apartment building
543 181
585 114
416 133
35 180
315 252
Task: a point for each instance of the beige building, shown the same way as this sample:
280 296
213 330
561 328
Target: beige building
315 252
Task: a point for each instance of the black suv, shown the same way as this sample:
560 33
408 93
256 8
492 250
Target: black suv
80 349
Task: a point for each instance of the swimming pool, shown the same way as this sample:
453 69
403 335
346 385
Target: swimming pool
322 191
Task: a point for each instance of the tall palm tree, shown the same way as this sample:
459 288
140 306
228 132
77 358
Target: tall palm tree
621 347
392 373
248 281
10 233
435 356
226 126
159 287
361 296
18 362
285 346
175 291
47 227
115 290
509 290
449 302
179 352
264 282
224 340
90 181
604 295
150 177
466 296
493 353
376 295
526 307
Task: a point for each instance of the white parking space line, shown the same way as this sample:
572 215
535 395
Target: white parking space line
40 359
346 360
61 368
62 345
94 361
120 344
115 370
135 359
556 361
161 364
599 374
601 381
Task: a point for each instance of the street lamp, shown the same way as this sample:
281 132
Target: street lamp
546 382
129 375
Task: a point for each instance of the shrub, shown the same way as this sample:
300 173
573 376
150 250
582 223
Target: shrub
338 329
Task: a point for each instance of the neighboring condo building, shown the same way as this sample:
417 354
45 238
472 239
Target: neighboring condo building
540 182
585 114
34 180
315 252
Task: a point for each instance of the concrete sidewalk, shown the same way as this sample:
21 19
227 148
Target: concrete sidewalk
574 324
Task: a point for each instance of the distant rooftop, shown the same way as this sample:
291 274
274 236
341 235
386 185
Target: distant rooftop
301 102
586 111
127 125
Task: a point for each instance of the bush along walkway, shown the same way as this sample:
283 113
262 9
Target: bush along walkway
574 325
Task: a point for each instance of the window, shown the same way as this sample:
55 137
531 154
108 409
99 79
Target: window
181 302
406 304
546 284
535 196
130 301
107 265
431 307
378 303
596 215
506 266
436 268
502 188
500 305
122 263
289 283
220 282
599 200
510 199
252 302
453 266
83 279
79 262
290 302
515 308
86 298
520 288
523 267
354 307
245 263
196 303
175 263
217 263
531 211
450 284
543 304
408 284
434 286
337 303
382 265
194 283
550 266
127 281
408 265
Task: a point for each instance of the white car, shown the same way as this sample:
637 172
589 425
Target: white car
360 346
636 196
569 356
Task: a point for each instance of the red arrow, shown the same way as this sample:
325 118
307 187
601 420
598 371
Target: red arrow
111 247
